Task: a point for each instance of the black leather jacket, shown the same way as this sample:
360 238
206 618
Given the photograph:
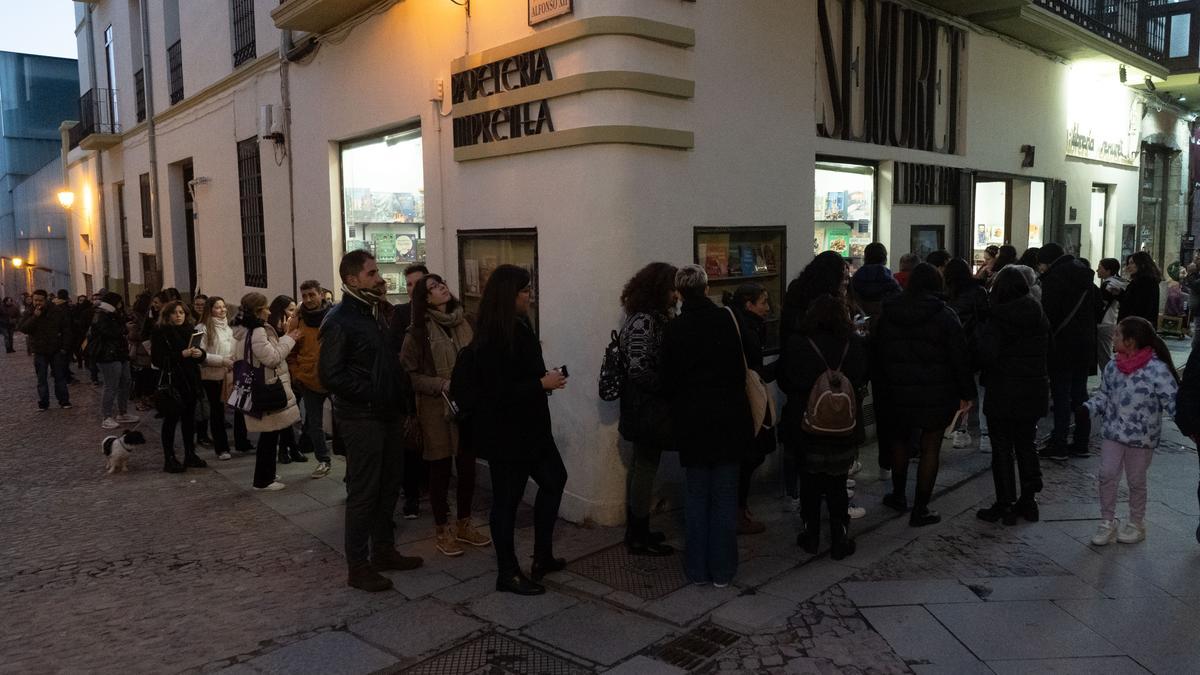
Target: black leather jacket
358 364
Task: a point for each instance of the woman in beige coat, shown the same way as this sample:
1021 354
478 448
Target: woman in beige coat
268 351
439 330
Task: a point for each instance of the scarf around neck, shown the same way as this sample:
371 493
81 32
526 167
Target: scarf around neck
1131 363
368 296
445 344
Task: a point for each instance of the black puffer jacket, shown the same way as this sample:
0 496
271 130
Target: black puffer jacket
359 365
822 454
166 352
1187 401
511 418
921 366
970 304
1140 299
49 333
107 339
705 380
1063 285
870 286
1012 348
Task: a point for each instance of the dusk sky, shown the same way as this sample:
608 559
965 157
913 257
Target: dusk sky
38 27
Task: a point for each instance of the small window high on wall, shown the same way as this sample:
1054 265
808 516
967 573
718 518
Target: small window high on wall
844 208
383 203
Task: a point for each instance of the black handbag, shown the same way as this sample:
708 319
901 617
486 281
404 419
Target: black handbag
166 398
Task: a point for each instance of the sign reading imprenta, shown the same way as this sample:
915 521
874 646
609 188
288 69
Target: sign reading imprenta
542 10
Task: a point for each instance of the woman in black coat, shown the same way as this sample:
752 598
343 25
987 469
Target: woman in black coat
825 339
922 375
1187 406
1140 298
179 384
1012 348
705 380
510 426
751 304
965 295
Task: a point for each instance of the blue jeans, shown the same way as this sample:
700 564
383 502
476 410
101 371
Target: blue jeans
710 511
1068 389
115 375
314 422
56 363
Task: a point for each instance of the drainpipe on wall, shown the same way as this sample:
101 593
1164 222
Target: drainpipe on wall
91 43
285 94
152 144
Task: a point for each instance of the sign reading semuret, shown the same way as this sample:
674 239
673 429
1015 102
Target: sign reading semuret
542 10
507 122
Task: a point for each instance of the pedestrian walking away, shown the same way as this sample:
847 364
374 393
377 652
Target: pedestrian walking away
10 316
1137 388
361 370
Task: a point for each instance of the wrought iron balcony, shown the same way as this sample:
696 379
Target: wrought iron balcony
315 16
99 126
1127 23
175 71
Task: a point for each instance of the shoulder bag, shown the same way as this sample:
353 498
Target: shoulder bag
762 406
251 392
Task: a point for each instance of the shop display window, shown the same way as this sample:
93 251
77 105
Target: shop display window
383 203
844 209
732 256
1037 212
480 252
991 208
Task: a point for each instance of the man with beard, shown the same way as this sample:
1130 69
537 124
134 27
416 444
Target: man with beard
303 363
359 367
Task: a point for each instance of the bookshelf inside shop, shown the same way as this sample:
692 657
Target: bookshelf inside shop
395 246
481 252
732 256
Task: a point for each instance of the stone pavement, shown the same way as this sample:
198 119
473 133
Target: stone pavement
149 572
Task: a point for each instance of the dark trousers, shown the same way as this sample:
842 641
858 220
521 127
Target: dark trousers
414 473
56 364
264 456
508 487
439 486
216 415
314 422
241 438
745 476
185 418
374 471
1068 388
1014 439
930 456
7 331
814 487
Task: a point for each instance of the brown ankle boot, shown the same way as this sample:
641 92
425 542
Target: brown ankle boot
390 559
364 576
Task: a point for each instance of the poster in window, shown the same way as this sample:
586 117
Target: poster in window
837 239
406 247
835 206
394 285
385 246
925 239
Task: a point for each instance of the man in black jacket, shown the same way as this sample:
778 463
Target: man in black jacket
1068 294
49 329
361 369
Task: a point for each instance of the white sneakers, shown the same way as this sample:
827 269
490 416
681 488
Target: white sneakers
855 467
128 419
1109 531
856 512
225 456
110 423
321 471
273 487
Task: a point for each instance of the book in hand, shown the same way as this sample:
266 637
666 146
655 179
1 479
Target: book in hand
195 340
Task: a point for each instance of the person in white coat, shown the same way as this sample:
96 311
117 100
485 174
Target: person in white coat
269 352
218 344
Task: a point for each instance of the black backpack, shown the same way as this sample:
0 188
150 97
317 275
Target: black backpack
612 370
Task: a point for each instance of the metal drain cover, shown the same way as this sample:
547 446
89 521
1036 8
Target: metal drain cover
496 654
695 647
644 576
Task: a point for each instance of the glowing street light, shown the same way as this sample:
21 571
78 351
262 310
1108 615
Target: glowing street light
17 262
66 198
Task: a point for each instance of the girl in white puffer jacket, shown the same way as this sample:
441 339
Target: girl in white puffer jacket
219 345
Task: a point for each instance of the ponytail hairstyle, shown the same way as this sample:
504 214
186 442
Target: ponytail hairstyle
1143 335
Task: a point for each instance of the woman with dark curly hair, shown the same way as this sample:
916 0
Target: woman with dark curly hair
648 299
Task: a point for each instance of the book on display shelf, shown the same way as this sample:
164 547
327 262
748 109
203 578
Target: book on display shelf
395 285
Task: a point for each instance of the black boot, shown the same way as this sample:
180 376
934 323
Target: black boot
1027 508
998 511
172 465
809 538
296 455
637 538
284 457
519 584
842 546
922 515
192 461
543 566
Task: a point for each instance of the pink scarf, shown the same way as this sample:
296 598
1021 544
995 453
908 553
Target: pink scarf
1131 363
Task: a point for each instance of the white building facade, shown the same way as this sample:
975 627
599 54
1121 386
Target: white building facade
586 144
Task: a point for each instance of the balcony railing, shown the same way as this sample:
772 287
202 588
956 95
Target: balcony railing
139 93
175 71
97 115
1126 23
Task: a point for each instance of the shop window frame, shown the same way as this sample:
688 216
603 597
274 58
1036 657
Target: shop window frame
463 237
776 295
874 165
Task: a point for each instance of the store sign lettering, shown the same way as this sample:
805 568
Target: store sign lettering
892 76
501 124
1083 144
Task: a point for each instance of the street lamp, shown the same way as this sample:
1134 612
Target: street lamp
17 262
66 198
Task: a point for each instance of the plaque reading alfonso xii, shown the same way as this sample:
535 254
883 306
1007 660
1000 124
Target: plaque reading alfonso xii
542 10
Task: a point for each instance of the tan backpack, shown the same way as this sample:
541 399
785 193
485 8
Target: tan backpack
832 404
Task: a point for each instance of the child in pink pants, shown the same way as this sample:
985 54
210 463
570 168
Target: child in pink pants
1138 386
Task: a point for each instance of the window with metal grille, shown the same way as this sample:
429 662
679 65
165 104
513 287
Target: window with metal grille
243 31
147 221
139 94
254 238
175 71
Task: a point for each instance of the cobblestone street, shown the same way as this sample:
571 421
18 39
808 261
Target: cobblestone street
150 572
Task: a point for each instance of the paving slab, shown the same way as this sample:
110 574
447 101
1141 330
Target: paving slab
416 628
465 591
1170 664
690 603
804 582
516 611
907 592
1004 589
332 653
1106 665
1011 630
611 635
644 665
918 637
418 583
1149 625
753 614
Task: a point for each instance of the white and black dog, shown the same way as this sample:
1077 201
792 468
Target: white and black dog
117 448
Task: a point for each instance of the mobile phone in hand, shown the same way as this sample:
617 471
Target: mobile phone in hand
563 369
